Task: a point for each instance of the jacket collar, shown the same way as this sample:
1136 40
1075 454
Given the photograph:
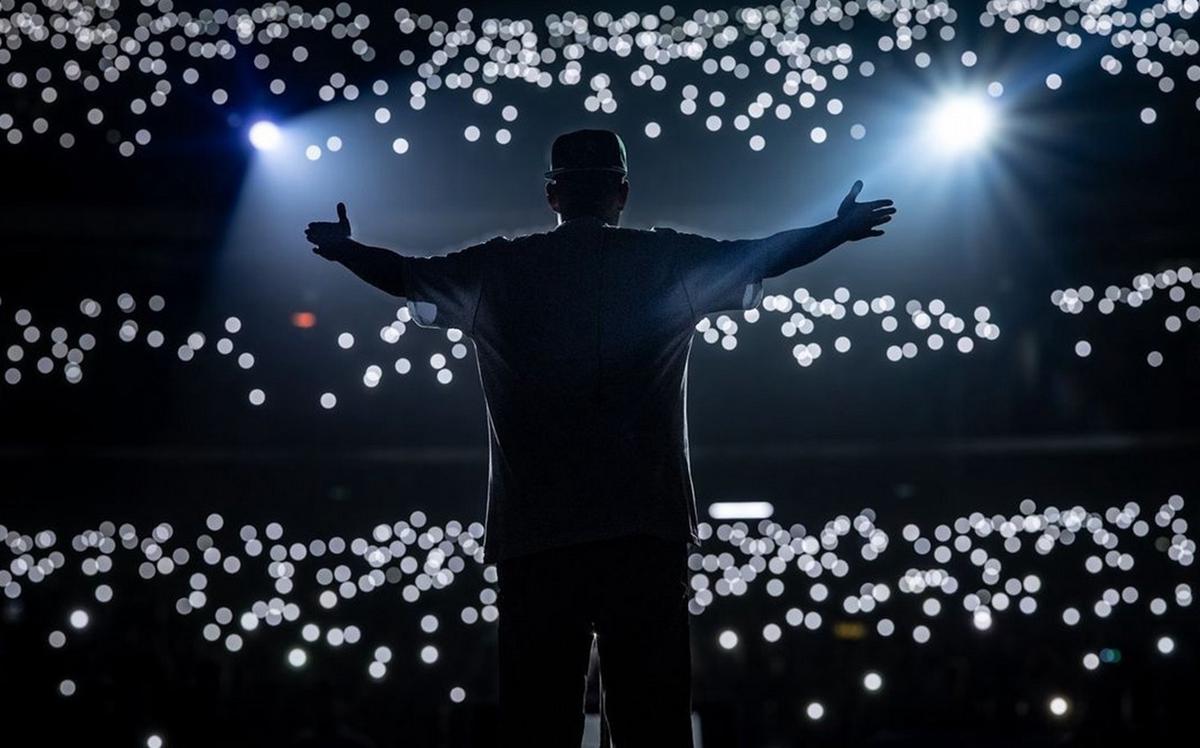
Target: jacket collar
583 221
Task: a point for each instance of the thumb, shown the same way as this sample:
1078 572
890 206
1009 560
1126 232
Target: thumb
341 211
855 189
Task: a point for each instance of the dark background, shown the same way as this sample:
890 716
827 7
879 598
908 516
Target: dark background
1074 189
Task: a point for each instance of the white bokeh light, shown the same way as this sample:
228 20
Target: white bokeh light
1059 706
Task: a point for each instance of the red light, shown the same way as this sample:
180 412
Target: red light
304 320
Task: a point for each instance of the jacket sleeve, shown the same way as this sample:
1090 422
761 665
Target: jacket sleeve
716 274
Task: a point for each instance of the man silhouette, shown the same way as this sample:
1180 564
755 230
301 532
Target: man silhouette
582 336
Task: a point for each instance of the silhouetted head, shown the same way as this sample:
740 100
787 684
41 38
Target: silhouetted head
588 176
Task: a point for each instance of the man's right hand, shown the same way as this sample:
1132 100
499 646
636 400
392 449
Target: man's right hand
861 220
330 237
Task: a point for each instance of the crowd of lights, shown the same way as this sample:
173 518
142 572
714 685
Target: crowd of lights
68 350
802 311
100 46
1171 283
974 570
931 321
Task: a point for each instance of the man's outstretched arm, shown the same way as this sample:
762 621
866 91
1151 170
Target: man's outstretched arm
779 253
380 267
444 291
728 274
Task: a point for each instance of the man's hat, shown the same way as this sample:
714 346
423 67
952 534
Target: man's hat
587 150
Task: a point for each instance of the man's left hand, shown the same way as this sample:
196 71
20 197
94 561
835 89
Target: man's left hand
862 220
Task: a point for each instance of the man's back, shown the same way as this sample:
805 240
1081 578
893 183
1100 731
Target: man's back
582 335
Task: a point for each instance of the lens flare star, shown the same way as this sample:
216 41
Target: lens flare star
960 124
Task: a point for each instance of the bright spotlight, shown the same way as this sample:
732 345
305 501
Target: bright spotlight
960 123
265 136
